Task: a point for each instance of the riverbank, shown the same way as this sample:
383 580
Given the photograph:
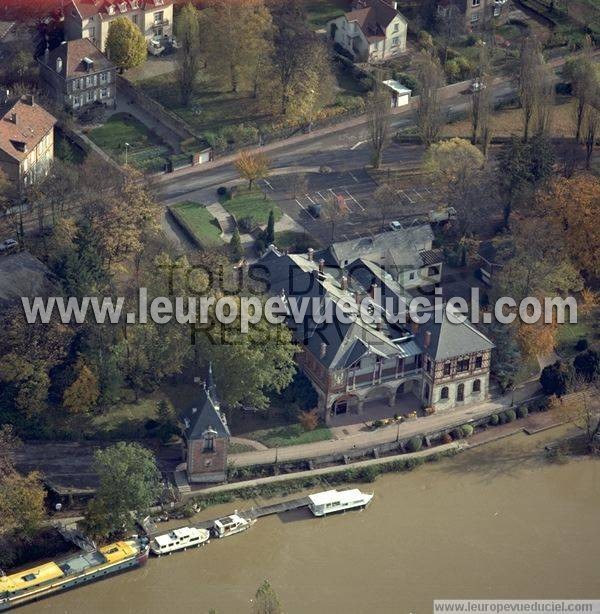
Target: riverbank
494 521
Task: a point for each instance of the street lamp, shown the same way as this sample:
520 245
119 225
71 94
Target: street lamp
127 146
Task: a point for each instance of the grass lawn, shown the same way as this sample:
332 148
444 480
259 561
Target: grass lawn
125 420
568 335
509 122
290 435
200 223
252 204
239 448
319 12
528 370
295 241
146 151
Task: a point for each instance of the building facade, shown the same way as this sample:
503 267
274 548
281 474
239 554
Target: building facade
374 31
206 438
77 75
354 360
477 13
26 140
92 18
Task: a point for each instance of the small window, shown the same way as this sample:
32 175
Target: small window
477 385
479 362
395 41
475 2
462 365
444 393
411 276
460 392
447 367
474 17
396 27
209 444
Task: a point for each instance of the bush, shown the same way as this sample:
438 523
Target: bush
414 444
467 430
425 40
459 69
511 415
456 433
522 411
377 424
367 474
222 191
494 419
408 81
581 345
446 438
308 419
246 224
343 52
542 404
502 417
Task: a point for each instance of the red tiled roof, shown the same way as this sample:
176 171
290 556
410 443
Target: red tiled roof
32 124
375 18
72 53
89 8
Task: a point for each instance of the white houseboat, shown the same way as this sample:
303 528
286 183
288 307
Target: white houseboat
230 525
331 501
179 539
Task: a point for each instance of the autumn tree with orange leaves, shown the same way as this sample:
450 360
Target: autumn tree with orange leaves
252 166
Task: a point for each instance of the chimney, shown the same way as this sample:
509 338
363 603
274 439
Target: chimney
344 283
13 118
357 297
29 99
321 266
323 349
311 252
427 339
373 290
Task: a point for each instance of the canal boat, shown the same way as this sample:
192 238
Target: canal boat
332 501
48 578
179 539
230 525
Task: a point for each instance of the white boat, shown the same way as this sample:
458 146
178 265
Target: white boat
331 501
230 525
179 539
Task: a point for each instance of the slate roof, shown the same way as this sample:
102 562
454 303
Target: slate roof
204 414
450 339
33 122
89 8
22 274
72 54
400 248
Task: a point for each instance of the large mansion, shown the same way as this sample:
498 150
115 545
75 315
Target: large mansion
350 361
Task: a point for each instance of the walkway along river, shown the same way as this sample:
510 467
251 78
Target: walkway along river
495 521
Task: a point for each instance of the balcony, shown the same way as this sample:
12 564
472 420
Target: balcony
387 375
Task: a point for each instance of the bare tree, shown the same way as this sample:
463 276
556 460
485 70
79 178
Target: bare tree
335 209
481 102
187 28
429 114
379 110
532 83
387 201
582 411
299 184
450 25
591 128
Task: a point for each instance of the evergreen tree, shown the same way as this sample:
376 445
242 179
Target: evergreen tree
270 229
266 600
236 251
556 379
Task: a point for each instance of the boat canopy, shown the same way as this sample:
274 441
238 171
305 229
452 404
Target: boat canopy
29 578
334 496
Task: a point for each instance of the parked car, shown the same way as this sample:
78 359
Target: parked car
443 214
315 210
396 225
7 245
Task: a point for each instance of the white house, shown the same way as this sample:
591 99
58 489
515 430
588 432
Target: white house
375 30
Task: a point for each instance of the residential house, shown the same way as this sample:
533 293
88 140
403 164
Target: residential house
206 437
373 31
440 364
26 140
477 13
77 75
405 254
92 18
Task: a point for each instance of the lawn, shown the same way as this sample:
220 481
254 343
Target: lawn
319 12
295 241
199 222
146 151
290 435
252 204
125 420
587 327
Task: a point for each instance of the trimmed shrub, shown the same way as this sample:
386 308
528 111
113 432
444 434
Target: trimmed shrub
246 224
511 415
494 419
456 433
414 444
467 430
522 411
582 345
221 191
542 404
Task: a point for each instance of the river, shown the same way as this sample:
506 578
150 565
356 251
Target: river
497 521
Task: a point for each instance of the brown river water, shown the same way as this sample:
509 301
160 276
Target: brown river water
498 521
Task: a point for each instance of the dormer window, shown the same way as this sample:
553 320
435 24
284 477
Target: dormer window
111 9
209 440
59 64
123 7
134 4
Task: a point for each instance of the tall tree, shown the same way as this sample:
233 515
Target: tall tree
591 130
236 251
387 201
236 37
379 112
125 44
252 166
83 393
270 229
187 30
129 485
21 503
429 113
266 600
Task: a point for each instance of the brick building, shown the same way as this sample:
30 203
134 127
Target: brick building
206 438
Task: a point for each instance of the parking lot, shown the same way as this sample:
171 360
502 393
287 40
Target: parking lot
303 198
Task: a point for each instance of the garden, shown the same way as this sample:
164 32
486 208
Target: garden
250 208
199 223
125 139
